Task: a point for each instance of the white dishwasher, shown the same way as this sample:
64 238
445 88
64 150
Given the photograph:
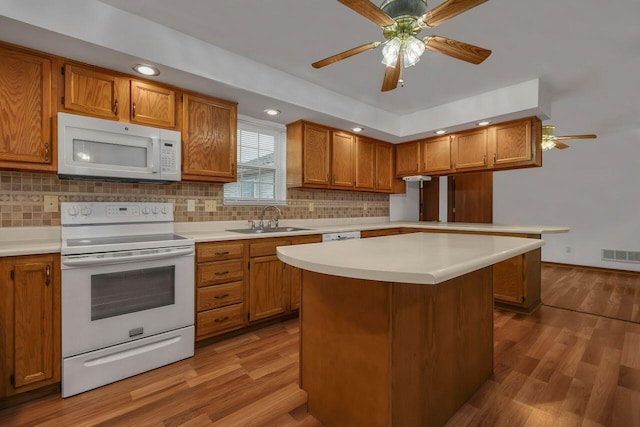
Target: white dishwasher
347 235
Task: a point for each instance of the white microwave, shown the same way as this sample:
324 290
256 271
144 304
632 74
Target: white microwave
90 148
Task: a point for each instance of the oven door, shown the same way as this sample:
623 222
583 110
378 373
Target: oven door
111 298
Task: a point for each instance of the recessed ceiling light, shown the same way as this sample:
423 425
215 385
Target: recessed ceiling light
440 132
484 123
146 70
357 129
272 111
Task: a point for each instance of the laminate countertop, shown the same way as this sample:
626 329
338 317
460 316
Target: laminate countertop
40 240
418 258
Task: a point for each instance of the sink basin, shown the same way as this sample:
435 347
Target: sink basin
267 230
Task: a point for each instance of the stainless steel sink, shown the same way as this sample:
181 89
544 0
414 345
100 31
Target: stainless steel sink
267 230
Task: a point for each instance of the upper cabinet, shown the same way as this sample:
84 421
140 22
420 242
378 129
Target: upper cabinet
516 144
208 139
469 150
509 145
108 95
26 105
342 160
408 159
323 157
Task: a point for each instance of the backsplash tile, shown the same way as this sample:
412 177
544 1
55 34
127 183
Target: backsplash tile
22 200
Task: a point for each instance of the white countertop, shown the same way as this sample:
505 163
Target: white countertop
420 258
40 240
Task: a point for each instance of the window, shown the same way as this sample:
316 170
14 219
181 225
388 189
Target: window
261 164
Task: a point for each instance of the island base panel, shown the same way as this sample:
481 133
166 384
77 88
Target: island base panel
380 354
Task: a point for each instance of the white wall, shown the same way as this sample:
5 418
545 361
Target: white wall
591 187
405 207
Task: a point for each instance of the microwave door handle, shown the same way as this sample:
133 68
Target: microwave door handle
145 257
155 155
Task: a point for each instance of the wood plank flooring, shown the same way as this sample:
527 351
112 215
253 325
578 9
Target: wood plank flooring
605 293
553 368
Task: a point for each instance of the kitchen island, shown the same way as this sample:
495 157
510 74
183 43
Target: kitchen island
397 330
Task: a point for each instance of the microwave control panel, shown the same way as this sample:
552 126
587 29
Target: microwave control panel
168 157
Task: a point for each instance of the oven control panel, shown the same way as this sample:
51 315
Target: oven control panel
114 212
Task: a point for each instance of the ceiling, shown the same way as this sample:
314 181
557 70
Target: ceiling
584 52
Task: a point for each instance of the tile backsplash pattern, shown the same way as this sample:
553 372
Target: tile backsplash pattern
22 200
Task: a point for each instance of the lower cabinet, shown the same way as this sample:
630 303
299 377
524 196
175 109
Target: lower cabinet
29 323
269 283
517 281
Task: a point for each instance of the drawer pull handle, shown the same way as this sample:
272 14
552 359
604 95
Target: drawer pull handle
221 253
221 273
224 319
221 296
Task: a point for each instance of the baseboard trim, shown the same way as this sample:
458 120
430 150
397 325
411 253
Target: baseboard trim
588 267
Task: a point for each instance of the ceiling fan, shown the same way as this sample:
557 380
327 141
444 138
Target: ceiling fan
549 140
401 21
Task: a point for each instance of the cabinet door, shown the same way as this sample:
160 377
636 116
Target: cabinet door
509 279
436 155
152 105
365 164
384 166
407 159
25 102
316 155
95 93
342 160
208 140
511 143
268 287
470 150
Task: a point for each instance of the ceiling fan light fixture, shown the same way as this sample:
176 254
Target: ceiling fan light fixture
399 8
547 137
413 50
390 52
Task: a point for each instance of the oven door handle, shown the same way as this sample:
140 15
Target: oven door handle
119 260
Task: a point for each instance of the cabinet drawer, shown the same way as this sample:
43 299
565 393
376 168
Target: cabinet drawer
301 240
267 248
219 251
219 296
220 272
219 320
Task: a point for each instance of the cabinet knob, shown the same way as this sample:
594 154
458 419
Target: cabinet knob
116 107
47 275
47 152
221 273
220 320
221 296
133 110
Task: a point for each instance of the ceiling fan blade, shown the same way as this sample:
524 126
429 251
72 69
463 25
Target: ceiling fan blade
590 136
560 145
370 11
391 76
456 49
344 55
448 10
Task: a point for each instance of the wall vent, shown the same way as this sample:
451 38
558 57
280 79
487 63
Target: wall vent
620 256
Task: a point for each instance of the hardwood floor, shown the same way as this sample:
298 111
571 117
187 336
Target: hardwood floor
604 293
553 368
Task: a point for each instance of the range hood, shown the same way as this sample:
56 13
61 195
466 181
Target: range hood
416 178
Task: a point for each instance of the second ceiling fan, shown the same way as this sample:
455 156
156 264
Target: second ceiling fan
401 21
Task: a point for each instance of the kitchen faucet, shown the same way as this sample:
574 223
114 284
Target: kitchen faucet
277 216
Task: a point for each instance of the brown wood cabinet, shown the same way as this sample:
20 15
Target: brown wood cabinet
365 164
269 280
517 281
109 95
470 150
342 160
308 155
220 291
509 145
514 144
408 159
29 323
208 139
384 167
26 105
436 155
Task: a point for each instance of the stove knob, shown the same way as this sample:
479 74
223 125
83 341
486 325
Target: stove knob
85 211
145 210
73 211
165 210
155 210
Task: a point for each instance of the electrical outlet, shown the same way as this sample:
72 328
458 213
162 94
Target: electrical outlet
210 206
311 207
191 205
365 207
51 203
